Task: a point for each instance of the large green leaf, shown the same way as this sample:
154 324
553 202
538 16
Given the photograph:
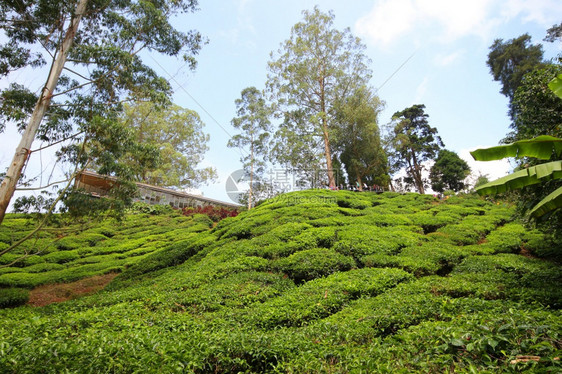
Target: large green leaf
556 86
541 147
522 178
549 203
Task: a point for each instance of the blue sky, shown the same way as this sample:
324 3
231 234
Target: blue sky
448 43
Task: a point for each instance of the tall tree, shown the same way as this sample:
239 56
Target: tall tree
448 172
97 43
509 61
554 33
359 140
536 109
312 72
414 142
254 125
178 135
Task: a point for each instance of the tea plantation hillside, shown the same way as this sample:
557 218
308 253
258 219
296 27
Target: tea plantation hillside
316 282
64 252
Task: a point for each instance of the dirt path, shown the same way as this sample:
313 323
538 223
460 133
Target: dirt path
58 292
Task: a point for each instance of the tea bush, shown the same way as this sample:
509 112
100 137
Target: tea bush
313 263
12 297
322 297
63 254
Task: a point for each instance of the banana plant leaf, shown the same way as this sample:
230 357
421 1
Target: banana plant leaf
556 86
541 147
551 202
526 177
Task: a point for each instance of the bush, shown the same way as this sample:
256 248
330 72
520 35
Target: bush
322 297
214 213
62 256
361 240
173 255
313 263
12 297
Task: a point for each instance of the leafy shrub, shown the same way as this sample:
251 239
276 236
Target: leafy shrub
431 222
12 297
425 259
42 267
354 202
156 209
62 256
313 263
20 260
225 301
507 239
214 213
173 255
322 297
360 240
237 291
459 234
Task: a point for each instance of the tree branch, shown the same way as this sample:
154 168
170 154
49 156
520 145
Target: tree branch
42 187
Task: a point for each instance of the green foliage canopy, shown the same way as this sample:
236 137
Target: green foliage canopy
178 135
359 140
541 147
101 57
414 141
509 61
448 172
255 132
309 76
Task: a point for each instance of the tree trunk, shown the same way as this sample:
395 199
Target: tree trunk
21 155
331 179
327 152
417 174
251 174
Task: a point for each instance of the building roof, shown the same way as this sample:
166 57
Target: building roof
106 182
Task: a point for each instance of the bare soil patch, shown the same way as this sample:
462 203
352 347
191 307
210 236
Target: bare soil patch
59 292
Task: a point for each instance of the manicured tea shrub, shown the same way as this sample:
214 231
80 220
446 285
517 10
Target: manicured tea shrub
12 297
322 297
313 263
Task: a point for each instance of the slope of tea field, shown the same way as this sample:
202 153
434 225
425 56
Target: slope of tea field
65 252
316 282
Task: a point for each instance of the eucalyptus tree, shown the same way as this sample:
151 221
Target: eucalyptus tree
93 50
414 142
359 139
253 122
312 72
178 135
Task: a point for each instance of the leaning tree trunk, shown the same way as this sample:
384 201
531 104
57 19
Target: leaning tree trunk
23 150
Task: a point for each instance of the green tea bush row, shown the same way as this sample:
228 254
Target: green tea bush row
313 263
12 297
420 260
322 297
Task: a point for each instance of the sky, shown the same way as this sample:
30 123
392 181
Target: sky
430 52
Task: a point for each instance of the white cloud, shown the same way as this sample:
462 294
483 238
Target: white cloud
492 169
449 20
421 90
543 12
446 60
388 20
